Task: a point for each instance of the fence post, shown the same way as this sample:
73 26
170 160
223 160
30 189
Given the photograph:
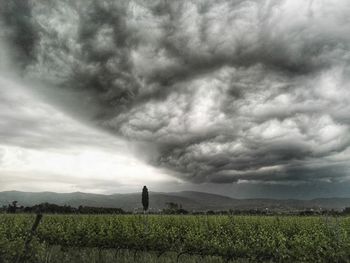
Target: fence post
29 238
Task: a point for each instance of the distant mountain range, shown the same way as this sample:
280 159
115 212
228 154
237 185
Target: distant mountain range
189 200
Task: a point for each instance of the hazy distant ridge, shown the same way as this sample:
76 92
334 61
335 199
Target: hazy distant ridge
190 200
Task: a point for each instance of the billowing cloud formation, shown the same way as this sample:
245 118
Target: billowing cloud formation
226 91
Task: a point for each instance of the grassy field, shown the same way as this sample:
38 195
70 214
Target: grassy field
160 238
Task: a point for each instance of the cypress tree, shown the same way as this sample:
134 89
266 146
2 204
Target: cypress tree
145 199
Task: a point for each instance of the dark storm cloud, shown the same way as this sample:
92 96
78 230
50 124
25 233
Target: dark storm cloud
224 90
20 30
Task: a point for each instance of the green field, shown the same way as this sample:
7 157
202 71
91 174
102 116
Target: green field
161 238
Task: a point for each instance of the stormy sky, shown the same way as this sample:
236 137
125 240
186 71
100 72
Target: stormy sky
244 98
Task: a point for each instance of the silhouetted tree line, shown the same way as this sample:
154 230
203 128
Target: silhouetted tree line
58 209
174 209
264 212
171 208
11 208
99 210
346 210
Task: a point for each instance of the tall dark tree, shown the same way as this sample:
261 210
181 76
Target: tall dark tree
145 199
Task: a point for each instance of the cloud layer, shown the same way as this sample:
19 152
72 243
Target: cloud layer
224 91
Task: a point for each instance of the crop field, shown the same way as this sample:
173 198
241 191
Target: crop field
170 238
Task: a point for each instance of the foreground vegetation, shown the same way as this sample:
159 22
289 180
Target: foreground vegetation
256 238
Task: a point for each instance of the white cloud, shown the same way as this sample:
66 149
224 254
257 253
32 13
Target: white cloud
44 149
